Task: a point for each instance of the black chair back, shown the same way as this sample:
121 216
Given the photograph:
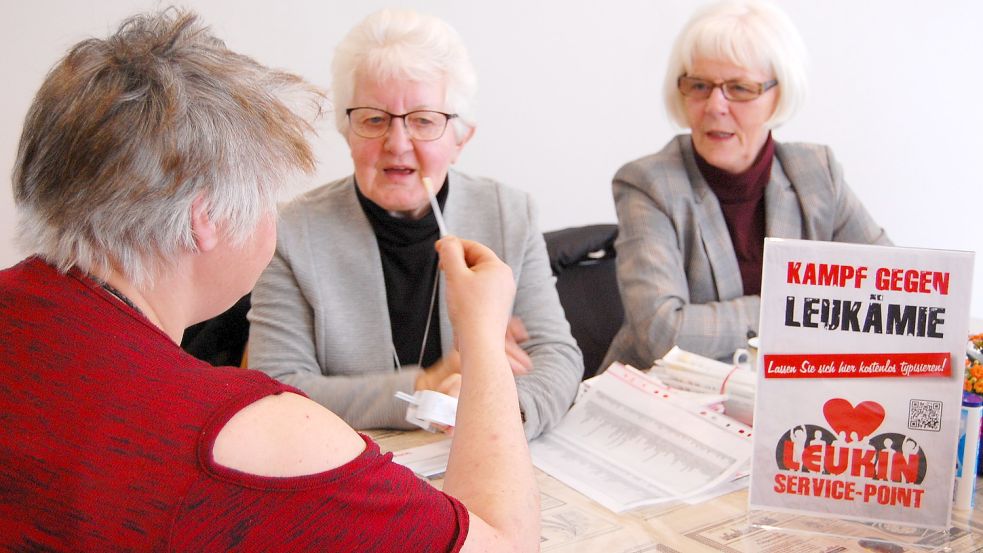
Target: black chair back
220 340
583 261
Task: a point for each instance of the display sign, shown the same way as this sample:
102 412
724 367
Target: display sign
860 381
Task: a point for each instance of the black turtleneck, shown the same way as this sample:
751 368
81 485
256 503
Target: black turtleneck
409 266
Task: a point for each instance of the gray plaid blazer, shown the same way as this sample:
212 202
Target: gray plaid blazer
677 271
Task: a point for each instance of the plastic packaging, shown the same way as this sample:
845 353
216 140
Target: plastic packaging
429 408
969 451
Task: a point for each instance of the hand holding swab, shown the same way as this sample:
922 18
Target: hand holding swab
435 206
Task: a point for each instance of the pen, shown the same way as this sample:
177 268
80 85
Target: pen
435 206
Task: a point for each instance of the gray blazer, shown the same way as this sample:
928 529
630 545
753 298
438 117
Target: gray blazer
677 270
320 322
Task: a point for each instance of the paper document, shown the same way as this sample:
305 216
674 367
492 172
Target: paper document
684 370
628 442
428 461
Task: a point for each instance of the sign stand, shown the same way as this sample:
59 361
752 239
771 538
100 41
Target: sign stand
860 373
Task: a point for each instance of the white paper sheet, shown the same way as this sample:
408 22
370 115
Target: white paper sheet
684 370
428 461
628 443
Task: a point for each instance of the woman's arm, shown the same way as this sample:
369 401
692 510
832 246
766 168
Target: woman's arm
489 468
652 249
546 392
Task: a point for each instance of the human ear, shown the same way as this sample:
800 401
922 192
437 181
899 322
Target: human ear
203 228
461 142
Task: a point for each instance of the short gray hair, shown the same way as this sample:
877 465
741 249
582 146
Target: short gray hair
125 133
747 33
403 44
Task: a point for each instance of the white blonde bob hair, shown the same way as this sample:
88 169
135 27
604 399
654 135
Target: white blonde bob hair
402 44
746 33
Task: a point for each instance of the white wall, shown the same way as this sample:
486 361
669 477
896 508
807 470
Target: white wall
570 90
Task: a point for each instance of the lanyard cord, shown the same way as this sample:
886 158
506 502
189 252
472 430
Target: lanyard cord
426 329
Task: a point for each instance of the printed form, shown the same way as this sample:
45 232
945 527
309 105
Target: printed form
629 442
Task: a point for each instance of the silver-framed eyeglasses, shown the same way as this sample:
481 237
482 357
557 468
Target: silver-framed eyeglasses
421 124
735 91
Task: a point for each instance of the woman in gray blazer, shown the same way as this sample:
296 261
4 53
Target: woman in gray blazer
693 216
351 309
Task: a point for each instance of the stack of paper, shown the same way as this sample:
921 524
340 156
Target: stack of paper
630 442
683 370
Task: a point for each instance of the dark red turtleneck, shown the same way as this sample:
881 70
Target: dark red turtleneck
742 200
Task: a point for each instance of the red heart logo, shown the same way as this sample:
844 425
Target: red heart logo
855 422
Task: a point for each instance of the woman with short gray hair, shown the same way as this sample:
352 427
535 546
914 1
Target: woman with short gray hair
351 309
693 217
146 180
161 136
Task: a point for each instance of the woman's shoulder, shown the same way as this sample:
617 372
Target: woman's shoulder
284 435
670 158
488 211
326 207
476 184
326 196
809 166
803 153
665 176
482 190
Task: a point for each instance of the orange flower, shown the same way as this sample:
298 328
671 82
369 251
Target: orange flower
974 369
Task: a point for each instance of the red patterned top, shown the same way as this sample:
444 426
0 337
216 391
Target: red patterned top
106 432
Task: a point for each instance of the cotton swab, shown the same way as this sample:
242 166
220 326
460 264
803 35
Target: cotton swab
435 206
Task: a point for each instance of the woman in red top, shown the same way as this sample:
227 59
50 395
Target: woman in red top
146 182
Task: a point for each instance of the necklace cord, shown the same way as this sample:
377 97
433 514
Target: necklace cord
426 329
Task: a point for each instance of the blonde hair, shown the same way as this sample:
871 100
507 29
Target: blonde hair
749 34
402 44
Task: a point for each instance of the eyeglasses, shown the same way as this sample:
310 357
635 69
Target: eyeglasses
735 91
422 124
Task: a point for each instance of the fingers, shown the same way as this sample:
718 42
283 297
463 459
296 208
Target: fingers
476 253
451 362
451 385
456 249
518 367
519 360
517 330
433 376
448 430
516 334
422 382
451 253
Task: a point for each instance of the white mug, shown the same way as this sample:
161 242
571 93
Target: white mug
747 357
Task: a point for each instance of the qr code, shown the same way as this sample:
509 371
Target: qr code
925 415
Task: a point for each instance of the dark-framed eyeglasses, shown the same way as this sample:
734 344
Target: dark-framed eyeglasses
735 91
421 124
